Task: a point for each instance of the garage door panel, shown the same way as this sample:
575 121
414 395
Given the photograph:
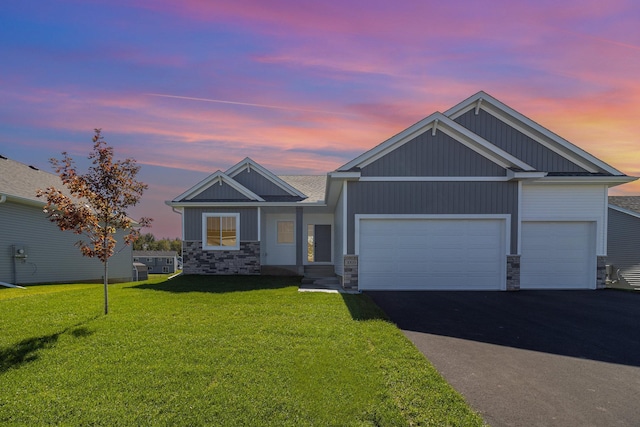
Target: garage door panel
431 254
558 255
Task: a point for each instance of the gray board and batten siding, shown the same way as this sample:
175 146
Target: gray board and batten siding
432 198
218 193
433 155
516 143
623 245
260 185
193 222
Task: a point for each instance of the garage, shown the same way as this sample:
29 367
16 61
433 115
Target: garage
558 255
431 254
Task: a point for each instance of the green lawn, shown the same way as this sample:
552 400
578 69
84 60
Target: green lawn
236 351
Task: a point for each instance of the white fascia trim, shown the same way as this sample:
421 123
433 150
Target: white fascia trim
215 178
432 178
251 164
180 204
406 135
512 175
624 211
344 175
503 217
610 181
541 134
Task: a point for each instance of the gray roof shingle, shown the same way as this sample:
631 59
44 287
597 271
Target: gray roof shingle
313 186
20 180
631 203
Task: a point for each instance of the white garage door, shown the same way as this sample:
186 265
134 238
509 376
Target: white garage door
558 255
442 254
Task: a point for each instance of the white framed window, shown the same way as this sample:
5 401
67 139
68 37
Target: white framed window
220 231
149 259
285 232
135 260
165 269
169 260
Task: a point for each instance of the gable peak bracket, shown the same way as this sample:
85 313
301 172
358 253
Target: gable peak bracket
478 103
435 127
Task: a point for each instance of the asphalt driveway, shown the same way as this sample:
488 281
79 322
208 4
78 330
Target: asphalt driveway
531 358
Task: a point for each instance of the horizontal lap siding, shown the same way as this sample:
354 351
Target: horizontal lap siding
248 222
428 155
51 253
623 245
515 142
433 198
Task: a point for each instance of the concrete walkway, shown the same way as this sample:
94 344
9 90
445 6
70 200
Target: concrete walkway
531 358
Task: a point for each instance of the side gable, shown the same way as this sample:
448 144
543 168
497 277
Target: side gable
220 191
437 139
524 138
261 181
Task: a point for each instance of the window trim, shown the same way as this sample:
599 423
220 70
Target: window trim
208 215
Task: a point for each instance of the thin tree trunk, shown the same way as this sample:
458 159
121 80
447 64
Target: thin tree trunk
106 290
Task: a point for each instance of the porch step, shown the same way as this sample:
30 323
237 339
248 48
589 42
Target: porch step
319 271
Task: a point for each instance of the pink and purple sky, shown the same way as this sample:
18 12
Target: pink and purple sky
189 87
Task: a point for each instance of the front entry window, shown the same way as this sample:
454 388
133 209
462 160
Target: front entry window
310 245
220 231
285 232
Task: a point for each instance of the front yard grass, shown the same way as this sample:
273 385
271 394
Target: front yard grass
236 351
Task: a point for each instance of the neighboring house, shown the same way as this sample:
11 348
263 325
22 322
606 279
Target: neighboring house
477 198
623 244
32 248
158 262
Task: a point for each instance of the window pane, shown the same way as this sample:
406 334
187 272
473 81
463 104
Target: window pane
213 231
310 246
228 231
285 231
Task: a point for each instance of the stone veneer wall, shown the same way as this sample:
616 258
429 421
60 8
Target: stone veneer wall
513 272
350 272
246 260
601 273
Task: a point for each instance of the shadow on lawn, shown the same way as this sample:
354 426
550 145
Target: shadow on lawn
362 307
27 350
220 284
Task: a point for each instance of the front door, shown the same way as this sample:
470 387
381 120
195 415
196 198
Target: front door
319 246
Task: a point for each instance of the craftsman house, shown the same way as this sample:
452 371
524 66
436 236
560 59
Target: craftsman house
477 198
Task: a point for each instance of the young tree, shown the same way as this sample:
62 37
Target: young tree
100 198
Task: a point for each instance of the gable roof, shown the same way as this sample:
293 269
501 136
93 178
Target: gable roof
20 182
217 177
248 164
542 135
626 204
439 122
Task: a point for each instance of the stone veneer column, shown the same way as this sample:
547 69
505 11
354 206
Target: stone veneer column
350 272
513 272
601 273
244 261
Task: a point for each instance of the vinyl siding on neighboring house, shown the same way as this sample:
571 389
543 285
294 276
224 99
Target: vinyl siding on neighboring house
431 198
193 222
51 254
515 142
428 155
623 246
568 202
